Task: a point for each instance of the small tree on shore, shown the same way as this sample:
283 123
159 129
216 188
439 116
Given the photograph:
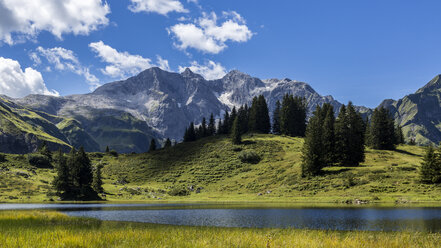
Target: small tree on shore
431 166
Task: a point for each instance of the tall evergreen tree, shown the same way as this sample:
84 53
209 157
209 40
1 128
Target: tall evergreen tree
431 166
84 176
204 130
44 150
276 118
233 116
211 129
399 136
191 133
349 137
107 149
167 143
152 146
382 130
62 180
219 127
97 182
312 154
242 115
259 120
328 134
293 116
226 123
236 135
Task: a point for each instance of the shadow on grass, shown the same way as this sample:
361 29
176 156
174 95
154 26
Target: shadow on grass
248 142
406 152
334 172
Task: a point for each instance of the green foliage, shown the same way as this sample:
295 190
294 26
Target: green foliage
313 153
293 116
259 120
276 118
236 135
2 158
44 150
39 161
431 166
152 146
211 126
167 143
113 153
349 137
249 156
97 183
382 133
190 133
179 191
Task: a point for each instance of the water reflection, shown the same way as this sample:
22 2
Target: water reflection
345 218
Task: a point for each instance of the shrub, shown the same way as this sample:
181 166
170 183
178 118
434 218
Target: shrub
2 158
249 157
113 153
179 191
39 161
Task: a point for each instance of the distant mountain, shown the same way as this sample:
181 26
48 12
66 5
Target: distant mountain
420 113
126 114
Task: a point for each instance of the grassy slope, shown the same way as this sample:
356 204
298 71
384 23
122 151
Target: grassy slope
51 229
213 164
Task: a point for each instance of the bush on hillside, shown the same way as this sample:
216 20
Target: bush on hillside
179 191
249 157
2 158
39 161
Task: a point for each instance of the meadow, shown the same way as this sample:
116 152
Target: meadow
264 168
52 229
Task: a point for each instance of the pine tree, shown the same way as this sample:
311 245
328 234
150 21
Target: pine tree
97 182
236 132
259 120
431 167
312 153
211 126
167 143
399 137
107 149
226 123
191 135
84 176
152 145
382 130
242 115
233 116
219 127
204 130
44 150
349 136
62 180
276 118
293 116
328 134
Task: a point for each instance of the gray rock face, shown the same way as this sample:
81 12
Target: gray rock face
167 102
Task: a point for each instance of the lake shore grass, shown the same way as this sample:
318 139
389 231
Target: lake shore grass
53 229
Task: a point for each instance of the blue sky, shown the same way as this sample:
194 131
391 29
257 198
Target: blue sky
364 51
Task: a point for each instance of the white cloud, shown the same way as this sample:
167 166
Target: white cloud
66 60
206 36
123 64
162 7
211 70
15 82
24 19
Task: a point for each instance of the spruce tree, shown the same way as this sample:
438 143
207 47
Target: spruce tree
204 130
399 137
219 127
44 150
431 166
191 133
211 126
167 143
97 182
312 153
236 132
293 116
84 176
259 120
152 145
233 116
226 123
276 118
107 149
349 136
382 130
328 134
62 180
242 115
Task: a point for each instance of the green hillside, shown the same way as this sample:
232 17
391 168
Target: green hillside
23 130
214 165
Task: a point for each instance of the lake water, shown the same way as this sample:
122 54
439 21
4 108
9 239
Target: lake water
260 216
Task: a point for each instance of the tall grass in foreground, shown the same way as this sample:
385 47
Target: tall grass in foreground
53 229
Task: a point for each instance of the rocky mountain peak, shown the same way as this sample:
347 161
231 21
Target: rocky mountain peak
434 84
